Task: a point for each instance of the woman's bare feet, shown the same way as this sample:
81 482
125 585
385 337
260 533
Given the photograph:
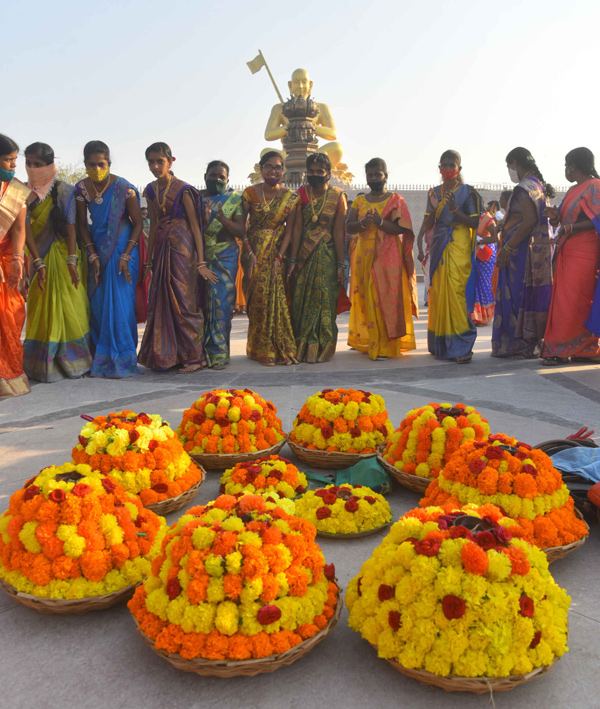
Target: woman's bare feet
189 368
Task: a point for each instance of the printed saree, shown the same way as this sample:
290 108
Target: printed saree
573 328
485 261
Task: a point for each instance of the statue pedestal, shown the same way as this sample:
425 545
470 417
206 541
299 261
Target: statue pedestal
300 139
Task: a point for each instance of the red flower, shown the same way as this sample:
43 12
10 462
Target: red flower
160 488
145 419
133 436
428 547
503 535
83 440
385 592
477 465
30 481
358 585
327 431
355 432
460 532
173 588
255 415
57 495
479 444
81 490
329 570
351 505
536 639
268 614
530 470
118 503
394 620
152 446
323 513
520 455
321 492
383 430
494 453
326 391
357 487
526 606
453 607
31 491
140 519
369 499
109 485
300 490
497 437
486 540
199 418
329 498
520 444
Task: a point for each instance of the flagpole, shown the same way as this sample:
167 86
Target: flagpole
271 76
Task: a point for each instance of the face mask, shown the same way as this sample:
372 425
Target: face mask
97 174
216 186
41 179
514 176
6 175
376 186
448 173
317 180
272 180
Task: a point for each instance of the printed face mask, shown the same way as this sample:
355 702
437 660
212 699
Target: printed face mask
448 173
216 186
97 174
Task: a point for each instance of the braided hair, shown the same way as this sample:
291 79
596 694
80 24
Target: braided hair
525 160
58 221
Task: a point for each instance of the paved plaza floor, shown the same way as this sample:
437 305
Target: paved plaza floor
97 660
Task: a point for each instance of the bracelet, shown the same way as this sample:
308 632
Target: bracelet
279 259
19 258
246 246
73 260
454 210
570 228
93 257
87 246
360 221
201 264
37 263
381 222
148 264
131 241
125 257
291 260
342 265
226 223
509 249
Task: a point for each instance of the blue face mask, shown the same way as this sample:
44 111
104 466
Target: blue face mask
6 175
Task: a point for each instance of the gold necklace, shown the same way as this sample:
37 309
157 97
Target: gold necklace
313 201
267 205
98 198
162 205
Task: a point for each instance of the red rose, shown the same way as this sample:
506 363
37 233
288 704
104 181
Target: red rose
83 440
152 446
160 488
248 391
453 607
326 391
394 620
139 521
133 436
427 547
355 432
118 503
536 639
255 468
30 481
358 585
530 470
479 444
383 430
329 570
477 465
496 437
81 490
520 444
323 513
369 499
145 419
173 588
31 491
351 505
503 535
255 415
520 455
327 431
268 614
494 453
486 540
109 485
199 418
335 489
57 495
329 498
526 606
222 489
300 490
460 532
321 492
274 474
385 592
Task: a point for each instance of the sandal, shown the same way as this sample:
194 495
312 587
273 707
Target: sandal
219 366
553 361
465 359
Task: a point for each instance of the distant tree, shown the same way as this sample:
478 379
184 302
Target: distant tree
70 172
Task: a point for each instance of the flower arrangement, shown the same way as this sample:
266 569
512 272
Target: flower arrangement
141 452
344 509
73 532
429 435
230 421
347 420
270 474
518 478
238 578
455 593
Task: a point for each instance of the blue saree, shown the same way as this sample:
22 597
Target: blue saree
222 255
113 328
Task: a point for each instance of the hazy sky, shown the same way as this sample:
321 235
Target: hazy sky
404 80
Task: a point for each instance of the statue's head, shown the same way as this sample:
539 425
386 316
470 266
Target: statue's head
300 85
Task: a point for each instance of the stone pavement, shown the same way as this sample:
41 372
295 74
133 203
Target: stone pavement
97 660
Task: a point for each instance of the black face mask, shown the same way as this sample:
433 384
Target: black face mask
376 186
317 180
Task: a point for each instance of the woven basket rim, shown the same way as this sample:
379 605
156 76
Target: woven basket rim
354 535
60 602
229 460
561 551
328 454
172 503
399 475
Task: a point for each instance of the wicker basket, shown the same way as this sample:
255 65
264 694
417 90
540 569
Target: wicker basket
65 606
413 482
223 461
175 503
353 535
332 460
246 668
556 553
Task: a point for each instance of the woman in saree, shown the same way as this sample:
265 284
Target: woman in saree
317 262
57 332
271 210
224 224
524 263
111 240
453 211
485 261
13 195
175 325
573 328
384 285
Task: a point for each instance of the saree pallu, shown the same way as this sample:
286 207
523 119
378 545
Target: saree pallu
383 292
525 287
13 380
450 331
572 329
270 336
317 288
57 333
485 302
113 328
175 323
222 257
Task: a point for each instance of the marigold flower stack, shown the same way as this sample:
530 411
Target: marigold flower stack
265 475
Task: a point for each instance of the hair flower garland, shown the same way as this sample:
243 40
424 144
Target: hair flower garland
65 535
230 421
344 509
270 474
141 452
518 478
347 420
251 582
429 435
456 604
